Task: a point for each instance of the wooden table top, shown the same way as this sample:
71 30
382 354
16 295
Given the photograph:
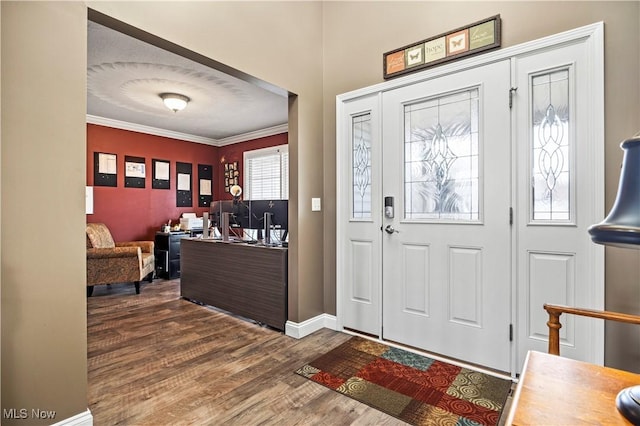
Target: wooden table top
553 390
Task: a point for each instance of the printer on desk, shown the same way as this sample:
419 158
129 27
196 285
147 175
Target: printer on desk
189 222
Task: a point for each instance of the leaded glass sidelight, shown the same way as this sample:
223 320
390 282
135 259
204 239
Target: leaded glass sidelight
361 166
441 177
550 147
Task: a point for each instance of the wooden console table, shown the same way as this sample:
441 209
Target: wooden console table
561 391
247 280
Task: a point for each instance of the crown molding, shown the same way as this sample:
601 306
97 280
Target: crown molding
263 133
124 125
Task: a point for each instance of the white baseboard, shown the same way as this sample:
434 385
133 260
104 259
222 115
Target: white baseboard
305 328
82 419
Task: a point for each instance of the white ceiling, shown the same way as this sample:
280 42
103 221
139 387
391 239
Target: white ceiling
125 77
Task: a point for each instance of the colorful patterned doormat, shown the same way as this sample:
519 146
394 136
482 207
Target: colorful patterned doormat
411 387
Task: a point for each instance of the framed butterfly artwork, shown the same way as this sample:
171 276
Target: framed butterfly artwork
471 39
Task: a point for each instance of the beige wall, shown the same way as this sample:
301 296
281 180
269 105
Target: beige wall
44 351
314 50
353 59
277 42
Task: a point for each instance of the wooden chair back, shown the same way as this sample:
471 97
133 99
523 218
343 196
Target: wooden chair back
554 325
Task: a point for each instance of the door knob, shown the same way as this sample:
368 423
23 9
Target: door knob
389 230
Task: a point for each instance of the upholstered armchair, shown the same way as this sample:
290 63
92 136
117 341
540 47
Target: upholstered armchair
109 262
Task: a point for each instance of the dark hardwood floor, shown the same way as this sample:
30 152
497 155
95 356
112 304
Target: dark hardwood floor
155 359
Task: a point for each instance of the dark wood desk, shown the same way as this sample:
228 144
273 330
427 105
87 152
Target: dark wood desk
247 280
561 391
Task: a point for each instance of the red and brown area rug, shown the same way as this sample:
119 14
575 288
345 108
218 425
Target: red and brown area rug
414 388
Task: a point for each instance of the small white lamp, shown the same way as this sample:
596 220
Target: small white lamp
236 191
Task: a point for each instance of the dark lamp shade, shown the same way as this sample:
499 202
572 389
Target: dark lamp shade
622 226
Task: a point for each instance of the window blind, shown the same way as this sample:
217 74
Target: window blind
266 173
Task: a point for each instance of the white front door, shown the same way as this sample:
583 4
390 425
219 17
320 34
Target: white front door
515 135
447 250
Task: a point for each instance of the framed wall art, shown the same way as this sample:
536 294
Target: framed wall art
134 172
161 177
105 169
231 175
205 179
184 192
471 39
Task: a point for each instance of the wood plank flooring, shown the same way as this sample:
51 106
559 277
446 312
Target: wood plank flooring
155 359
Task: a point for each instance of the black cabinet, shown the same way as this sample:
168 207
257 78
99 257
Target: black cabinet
167 252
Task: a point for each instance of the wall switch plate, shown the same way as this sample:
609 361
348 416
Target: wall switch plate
315 205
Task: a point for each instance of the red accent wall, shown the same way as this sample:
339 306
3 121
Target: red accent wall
235 152
137 213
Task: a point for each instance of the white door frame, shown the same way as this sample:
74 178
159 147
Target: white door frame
592 36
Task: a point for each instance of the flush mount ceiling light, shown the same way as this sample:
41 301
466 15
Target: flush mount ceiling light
174 101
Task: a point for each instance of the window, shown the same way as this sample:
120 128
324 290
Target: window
552 187
266 173
361 166
442 176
